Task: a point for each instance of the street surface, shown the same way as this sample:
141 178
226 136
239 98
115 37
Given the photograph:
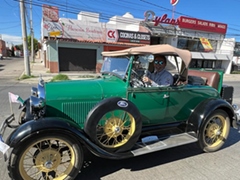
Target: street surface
181 163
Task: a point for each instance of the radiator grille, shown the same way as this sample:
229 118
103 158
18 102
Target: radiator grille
77 111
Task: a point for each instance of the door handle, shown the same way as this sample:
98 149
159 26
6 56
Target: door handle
166 96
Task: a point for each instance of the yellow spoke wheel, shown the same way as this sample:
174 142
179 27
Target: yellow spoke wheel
51 157
114 125
115 128
215 131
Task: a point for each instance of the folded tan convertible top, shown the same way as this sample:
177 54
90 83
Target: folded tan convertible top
165 49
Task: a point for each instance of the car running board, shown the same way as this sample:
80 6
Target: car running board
153 143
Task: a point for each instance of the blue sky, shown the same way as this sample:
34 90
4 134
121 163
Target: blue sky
224 11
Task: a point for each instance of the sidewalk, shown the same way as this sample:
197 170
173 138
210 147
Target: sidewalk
38 69
231 77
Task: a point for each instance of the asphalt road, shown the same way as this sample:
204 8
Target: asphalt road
181 163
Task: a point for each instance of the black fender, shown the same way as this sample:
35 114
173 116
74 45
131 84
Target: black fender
203 110
41 126
61 125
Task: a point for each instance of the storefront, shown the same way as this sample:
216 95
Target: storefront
205 39
76 44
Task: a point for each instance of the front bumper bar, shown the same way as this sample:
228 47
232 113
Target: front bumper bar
6 123
236 123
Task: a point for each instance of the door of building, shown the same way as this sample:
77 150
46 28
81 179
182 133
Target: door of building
74 59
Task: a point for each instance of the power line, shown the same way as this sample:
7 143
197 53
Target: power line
10 27
103 16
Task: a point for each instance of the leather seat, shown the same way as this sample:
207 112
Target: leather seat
212 77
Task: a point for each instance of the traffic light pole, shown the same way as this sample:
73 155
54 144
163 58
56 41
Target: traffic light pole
24 37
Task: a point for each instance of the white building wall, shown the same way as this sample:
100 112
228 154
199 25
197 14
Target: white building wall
227 47
125 22
88 16
172 41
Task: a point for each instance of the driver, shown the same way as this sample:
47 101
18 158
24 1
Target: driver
160 76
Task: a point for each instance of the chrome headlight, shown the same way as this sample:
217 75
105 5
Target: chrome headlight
37 105
34 91
235 107
41 90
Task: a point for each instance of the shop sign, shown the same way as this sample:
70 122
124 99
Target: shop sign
133 37
55 33
112 35
186 23
50 13
74 29
150 16
202 25
206 44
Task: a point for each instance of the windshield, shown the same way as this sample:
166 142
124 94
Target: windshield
115 65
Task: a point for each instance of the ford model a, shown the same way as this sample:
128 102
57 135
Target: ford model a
117 115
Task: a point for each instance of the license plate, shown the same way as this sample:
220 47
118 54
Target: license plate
3 147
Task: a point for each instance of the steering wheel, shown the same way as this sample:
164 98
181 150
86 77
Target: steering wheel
136 80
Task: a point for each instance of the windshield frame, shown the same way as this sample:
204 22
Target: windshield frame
107 67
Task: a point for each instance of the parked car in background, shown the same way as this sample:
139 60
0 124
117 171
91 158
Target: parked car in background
117 115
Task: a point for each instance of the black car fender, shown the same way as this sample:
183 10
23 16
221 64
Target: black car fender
42 125
204 109
60 125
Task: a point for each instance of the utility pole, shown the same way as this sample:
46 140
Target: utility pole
32 34
24 37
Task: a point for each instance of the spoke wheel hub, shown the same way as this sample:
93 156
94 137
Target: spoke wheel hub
48 160
213 130
113 127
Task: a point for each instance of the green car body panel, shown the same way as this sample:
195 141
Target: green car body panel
74 99
157 105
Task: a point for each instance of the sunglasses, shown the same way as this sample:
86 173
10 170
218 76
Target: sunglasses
159 62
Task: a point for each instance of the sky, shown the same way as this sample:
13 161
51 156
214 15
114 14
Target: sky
224 11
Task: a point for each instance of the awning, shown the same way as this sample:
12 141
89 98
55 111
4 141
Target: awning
210 56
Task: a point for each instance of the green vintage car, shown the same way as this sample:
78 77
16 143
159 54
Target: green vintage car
117 115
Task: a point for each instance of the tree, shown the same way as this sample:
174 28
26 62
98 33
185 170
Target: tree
19 47
35 44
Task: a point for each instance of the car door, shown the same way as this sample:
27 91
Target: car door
153 104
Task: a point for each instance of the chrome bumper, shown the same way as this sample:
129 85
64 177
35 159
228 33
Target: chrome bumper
4 148
237 114
236 123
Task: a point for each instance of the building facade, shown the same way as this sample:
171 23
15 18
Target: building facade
3 49
76 44
205 39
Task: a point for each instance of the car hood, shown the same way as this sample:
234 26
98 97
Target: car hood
89 89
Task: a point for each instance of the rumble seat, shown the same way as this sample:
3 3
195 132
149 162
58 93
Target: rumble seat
212 78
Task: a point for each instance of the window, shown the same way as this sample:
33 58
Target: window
218 64
237 49
200 63
194 44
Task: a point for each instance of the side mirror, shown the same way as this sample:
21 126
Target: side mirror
150 58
